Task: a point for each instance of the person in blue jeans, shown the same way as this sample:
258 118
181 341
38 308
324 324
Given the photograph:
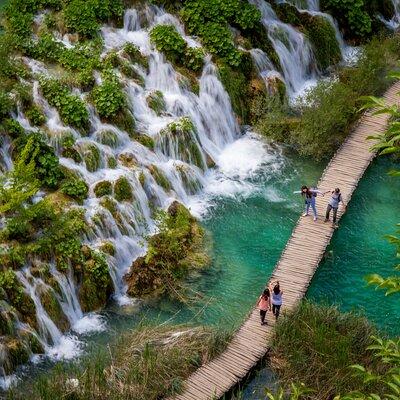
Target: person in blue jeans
310 196
333 205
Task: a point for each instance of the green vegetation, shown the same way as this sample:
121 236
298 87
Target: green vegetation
317 341
103 188
147 363
210 21
172 253
325 117
123 190
156 102
75 188
318 30
71 108
168 40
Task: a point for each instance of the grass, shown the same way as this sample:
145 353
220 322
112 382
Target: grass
150 362
316 345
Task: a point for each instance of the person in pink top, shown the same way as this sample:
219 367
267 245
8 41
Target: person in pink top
264 304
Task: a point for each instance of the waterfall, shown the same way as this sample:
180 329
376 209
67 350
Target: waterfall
393 23
293 49
206 163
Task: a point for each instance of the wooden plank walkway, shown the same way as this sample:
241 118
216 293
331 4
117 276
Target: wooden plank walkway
297 265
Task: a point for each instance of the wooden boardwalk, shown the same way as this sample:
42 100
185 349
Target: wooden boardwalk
296 267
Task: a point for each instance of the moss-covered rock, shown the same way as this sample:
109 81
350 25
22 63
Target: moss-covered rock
53 308
96 284
109 138
135 55
91 157
103 188
14 351
190 182
159 177
179 140
123 190
155 100
108 248
128 160
145 140
175 251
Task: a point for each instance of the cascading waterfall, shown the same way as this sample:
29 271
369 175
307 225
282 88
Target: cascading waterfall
393 23
186 169
292 47
312 7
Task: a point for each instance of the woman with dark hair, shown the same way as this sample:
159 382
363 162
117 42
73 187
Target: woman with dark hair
310 196
333 205
264 304
276 299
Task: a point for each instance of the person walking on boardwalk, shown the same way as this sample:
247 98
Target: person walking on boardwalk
310 196
276 299
264 304
333 205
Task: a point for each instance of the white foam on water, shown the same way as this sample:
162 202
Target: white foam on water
238 167
67 348
90 323
8 381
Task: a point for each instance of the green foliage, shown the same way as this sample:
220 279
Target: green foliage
91 156
5 104
156 102
71 108
328 111
19 185
172 252
103 188
35 116
46 162
134 54
351 14
13 128
75 188
318 344
80 17
210 20
168 41
108 98
123 190
194 58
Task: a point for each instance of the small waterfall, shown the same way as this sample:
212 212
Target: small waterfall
312 8
293 49
5 154
393 23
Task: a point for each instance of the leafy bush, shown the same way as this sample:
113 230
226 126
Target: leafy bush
5 104
46 162
210 20
352 15
71 108
172 252
168 41
108 98
35 116
135 55
75 188
13 128
122 189
103 188
194 58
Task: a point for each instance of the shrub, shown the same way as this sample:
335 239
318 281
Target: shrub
352 15
155 100
13 128
80 17
5 104
194 58
168 41
46 162
172 252
108 98
71 108
103 188
35 116
135 55
123 190
75 188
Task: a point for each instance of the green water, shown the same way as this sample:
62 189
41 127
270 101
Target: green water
359 248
